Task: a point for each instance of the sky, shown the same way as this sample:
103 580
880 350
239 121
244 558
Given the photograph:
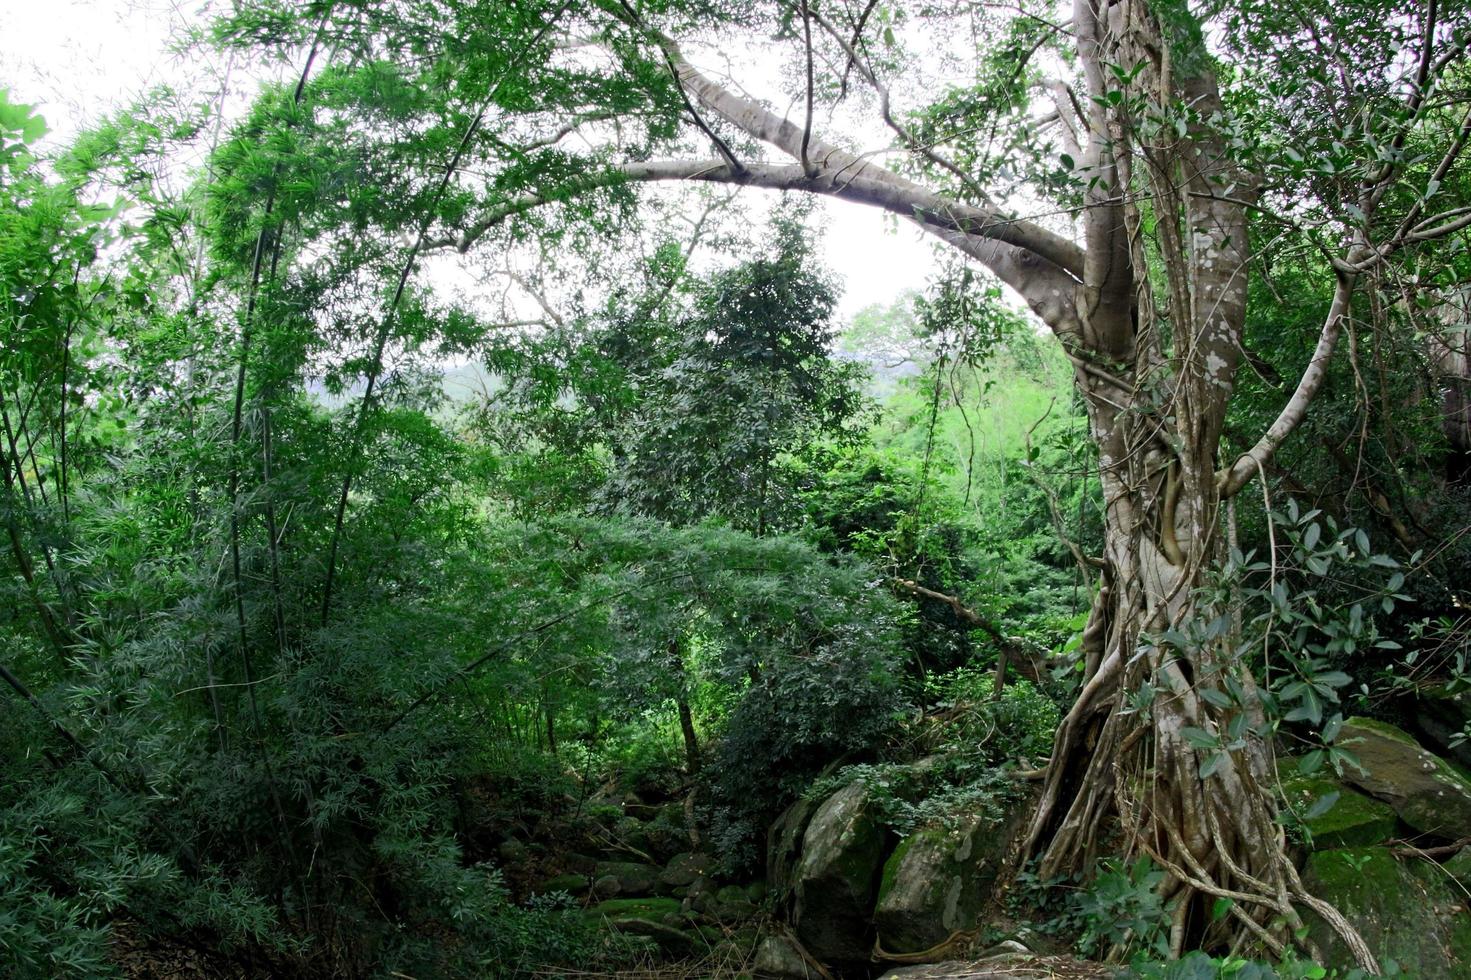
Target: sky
80 59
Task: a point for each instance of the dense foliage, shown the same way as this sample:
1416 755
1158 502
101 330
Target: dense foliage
322 577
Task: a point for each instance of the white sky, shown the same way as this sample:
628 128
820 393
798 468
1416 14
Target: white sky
80 59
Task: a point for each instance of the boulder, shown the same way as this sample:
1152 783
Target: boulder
1406 911
731 904
700 895
630 831
632 878
657 919
778 959
1354 820
1439 717
938 879
1425 790
837 877
671 939
784 843
684 869
666 836
1458 866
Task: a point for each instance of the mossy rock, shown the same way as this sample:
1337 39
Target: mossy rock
572 884
670 938
1407 911
784 842
633 878
1354 820
685 869
1458 866
938 880
837 877
1427 792
644 908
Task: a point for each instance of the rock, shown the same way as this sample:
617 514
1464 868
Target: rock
1007 967
1406 911
756 892
1458 866
938 879
659 919
730 893
731 904
572 884
700 895
606 887
1439 717
657 909
512 852
631 831
784 843
778 959
1355 820
670 938
683 870
1426 792
632 878
665 836
837 877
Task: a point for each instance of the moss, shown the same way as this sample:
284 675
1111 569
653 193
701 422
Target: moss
641 908
1354 878
1354 819
573 884
1383 728
891 866
1406 911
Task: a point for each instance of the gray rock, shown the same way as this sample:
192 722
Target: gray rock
1406 911
837 877
700 895
784 843
938 880
1426 792
778 959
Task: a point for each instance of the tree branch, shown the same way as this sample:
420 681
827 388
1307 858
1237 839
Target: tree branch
1230 481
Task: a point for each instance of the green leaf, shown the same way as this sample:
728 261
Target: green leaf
1199 737
1321 805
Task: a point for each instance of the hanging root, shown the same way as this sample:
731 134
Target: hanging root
1215 836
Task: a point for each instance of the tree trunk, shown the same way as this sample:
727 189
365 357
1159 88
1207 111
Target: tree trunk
682 703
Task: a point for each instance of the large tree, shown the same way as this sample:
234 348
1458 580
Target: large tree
1156 144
